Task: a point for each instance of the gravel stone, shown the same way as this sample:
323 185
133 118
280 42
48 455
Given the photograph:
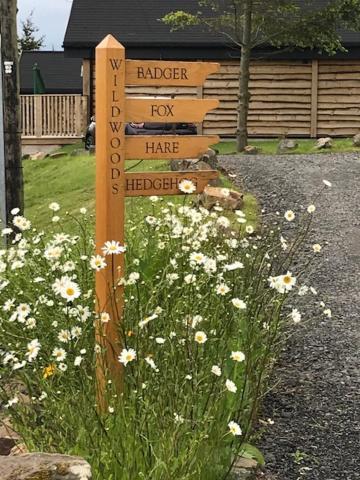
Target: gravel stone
316 403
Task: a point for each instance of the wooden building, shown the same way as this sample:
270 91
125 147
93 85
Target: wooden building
300 94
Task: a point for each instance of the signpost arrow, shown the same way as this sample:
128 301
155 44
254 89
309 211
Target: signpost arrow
168 110
167 146
157 73
143 184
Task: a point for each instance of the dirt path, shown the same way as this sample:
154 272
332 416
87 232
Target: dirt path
316 405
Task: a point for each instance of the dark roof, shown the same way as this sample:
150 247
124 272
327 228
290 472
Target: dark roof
137 25
60 74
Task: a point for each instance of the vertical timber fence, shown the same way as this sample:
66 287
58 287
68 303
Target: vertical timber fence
53 116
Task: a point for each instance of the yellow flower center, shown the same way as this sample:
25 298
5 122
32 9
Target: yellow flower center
70 291
287 279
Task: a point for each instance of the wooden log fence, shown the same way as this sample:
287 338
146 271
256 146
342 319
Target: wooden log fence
53 116
299 98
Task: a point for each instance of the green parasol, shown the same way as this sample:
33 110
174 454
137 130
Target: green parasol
38 82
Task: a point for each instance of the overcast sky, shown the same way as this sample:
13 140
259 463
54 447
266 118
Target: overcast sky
50 16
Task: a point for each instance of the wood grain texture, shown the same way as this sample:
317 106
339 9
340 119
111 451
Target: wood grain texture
167 146
167 110
110 206
154 72
165 183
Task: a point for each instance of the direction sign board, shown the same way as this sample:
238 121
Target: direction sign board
168 110
167 146
165 183
157 73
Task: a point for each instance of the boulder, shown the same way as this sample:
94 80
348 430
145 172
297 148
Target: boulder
286 144
8 437
356 140
228 199
44 466
37 156
251 150
325 142
58 155
210 157
192 164
245 469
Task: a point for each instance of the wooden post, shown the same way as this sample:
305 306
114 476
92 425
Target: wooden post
314 97
11 106
110 205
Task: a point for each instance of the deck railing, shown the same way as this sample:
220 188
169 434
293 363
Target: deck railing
62 116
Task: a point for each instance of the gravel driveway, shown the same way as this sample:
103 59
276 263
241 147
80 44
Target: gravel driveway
316 404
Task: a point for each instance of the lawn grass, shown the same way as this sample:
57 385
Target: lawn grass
305 146
70 181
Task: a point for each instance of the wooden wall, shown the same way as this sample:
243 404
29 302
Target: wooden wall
294 98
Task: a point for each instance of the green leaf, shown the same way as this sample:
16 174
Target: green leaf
249 451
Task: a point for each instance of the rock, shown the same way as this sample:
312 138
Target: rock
251 150
79 152
245 469
210 158
58 155
356 140
228 199
19 449
8 436
37 156
44 466
6 445
192 164
285 145
324 142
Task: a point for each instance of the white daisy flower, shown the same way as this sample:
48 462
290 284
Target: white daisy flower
216 370
104 317
113 248
59 354
127 356
222 289
237 356
234 428
70 291
240 304
327 312
311 208
97 262
187 186
64 336
55 207
200 337
33 349
289 215
230 385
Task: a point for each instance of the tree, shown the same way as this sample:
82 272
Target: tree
289 24
28 40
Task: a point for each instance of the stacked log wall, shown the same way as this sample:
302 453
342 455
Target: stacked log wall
293 98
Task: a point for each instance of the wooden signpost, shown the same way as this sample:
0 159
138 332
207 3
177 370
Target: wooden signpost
113 110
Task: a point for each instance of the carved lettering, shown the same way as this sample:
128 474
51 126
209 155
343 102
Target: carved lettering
115 111
115 63
114 95
157 73
115 126
115 158
115 142
115 173
161 147
162 110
